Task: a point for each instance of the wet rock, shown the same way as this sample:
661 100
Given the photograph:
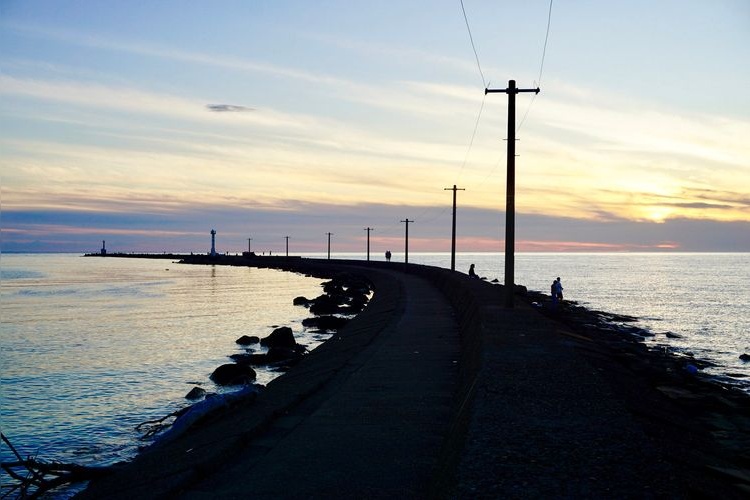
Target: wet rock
671 335
280 337
233 374
327 304
745 357
327 323
247 340
195 393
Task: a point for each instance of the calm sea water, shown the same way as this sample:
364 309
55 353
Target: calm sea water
89 347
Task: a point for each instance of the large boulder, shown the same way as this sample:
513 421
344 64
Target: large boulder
280 337
233 374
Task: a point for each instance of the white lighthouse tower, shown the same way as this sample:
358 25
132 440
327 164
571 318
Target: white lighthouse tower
213 243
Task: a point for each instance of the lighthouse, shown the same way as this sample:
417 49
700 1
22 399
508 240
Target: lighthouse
213 243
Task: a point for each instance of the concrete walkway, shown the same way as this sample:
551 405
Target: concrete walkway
374 431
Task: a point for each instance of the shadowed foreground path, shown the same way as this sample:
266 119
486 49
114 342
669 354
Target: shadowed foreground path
375 430
436 391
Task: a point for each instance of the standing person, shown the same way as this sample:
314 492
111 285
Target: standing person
559 289
553 294
387 255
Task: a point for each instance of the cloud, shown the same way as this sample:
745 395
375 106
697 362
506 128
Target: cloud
228 108
186 228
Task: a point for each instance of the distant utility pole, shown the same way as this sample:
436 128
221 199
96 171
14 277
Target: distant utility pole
329 245
287 245
249 245
510 196
406 241
453 234
368 229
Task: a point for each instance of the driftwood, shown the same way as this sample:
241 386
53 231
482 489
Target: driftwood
36 477
157 425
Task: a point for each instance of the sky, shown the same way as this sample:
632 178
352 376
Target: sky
147 124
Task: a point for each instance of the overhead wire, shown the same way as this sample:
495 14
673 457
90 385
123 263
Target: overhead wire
538 82
471 38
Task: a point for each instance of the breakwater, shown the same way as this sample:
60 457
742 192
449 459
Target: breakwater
538 404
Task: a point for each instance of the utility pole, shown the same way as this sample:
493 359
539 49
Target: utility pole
453 234
249 246
406 241
329 245
510 196
287 245
368 229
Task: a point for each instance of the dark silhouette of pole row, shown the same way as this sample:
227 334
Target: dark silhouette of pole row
368 229
329 245
453 234
406 241
287 245
510 196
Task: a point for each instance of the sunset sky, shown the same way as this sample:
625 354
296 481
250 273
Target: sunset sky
150 123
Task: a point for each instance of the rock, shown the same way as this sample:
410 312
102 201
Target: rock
325 322
276 354
195 393
249 359
745 357
247 340
672 335
326 304
233 374
301 301
281 337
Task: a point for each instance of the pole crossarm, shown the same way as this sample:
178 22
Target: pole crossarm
508 91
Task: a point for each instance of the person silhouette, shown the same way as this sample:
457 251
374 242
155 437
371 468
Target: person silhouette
387 255
472 273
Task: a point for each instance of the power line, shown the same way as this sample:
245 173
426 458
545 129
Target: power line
473 135
471 38
538 83
544 50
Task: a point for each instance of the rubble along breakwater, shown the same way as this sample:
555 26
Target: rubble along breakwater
688 435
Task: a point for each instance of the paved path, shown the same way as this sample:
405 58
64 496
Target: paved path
374 431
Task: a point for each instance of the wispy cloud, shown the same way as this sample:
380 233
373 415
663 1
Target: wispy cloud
227 108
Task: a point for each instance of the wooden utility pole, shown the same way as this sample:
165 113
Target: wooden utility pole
329 245
453 234
368 229
287 245
510 188
406 241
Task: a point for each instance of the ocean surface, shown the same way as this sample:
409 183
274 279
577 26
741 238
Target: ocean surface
90 347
